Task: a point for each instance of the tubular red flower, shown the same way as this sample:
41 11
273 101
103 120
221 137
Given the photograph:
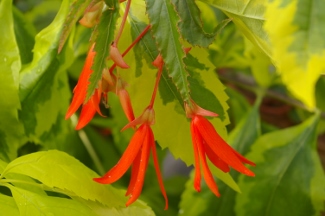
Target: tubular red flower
80 91
89 110
137 155
207 143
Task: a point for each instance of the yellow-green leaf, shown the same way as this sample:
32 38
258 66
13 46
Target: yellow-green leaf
297 34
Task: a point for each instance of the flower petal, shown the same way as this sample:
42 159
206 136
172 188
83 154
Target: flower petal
126 104
134 173
215 159
206 171
158 173
87 113
127 158
196 139
218 145
142 168
80 90
243 159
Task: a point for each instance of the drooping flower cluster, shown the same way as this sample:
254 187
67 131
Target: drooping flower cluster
207 143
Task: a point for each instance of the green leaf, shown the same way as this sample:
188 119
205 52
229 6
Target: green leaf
11 130
30 203
45 51
149 52
227 51
288 168
163 20
104 38
261 67
241 139
24 182
44 89
64 172
238 106
8 205
138 208
2 165
25 33
297 36
249 17
191 25
172 128
77 8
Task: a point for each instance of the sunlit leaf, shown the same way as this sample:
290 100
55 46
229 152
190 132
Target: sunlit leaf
297 35
36 165
288 168
11 130
249 17
33 204
8 205
138 208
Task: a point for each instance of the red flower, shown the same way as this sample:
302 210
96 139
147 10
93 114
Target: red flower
137 155
208 143
108 83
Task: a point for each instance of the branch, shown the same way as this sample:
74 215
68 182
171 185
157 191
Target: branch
248 83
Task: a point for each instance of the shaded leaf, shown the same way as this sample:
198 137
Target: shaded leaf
25 33
288 168
163 20
297 35
104 38
76 10
43 85
191 25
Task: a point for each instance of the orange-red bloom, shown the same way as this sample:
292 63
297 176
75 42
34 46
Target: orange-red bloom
107 83
137 155
208 143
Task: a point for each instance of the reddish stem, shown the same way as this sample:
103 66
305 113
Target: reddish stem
154 93
132 45
128 4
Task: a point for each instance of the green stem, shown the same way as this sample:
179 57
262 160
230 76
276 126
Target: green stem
84 138
154 93
126 12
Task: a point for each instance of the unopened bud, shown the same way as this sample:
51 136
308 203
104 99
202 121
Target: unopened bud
92 14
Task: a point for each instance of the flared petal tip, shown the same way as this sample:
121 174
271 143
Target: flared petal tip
101 180
80 126
249 173
67 115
